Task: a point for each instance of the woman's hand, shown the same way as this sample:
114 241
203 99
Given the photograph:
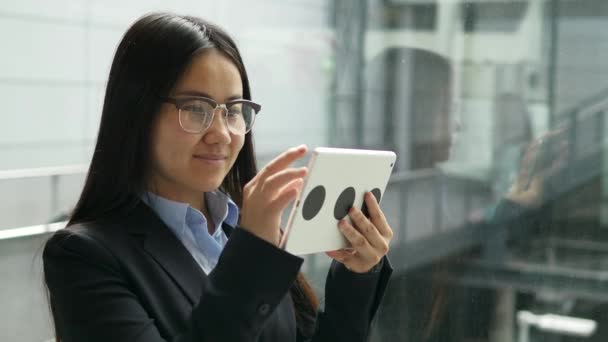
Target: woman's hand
369 238
269 192
528 189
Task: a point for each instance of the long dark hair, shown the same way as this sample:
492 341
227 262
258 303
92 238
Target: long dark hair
149 60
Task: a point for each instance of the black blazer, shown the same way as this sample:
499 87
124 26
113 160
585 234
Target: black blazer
128 278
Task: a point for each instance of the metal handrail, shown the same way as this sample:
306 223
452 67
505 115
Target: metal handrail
589 102
51 172
591 110
40 229
43 172
407 176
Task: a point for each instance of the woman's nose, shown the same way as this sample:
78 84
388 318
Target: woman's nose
218 131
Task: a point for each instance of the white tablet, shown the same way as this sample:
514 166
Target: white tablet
337 180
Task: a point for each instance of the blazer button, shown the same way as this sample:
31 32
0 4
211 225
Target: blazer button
264 309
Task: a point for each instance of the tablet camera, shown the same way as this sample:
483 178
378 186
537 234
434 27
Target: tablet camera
377 194
344 202
313 202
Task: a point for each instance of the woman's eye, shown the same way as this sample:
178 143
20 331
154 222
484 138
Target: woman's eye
194 108
235 109
233 117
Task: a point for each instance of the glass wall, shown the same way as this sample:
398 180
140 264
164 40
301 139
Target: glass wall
496 110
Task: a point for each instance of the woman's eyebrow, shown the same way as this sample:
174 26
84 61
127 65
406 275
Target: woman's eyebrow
203 94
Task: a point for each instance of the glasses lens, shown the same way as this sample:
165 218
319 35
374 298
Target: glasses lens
240 117
195 115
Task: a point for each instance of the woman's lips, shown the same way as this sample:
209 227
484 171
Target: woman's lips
213 159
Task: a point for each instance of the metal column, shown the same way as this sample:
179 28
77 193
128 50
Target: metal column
346 124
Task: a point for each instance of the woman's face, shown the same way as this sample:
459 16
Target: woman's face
185 164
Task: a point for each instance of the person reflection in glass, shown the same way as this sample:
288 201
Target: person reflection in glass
414 88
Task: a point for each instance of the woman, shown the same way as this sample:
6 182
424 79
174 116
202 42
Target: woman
146 254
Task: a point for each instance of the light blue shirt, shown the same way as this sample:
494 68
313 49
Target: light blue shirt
190 225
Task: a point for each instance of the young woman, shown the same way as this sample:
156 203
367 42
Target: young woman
175 235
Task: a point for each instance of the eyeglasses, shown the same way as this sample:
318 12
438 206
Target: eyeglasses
196 114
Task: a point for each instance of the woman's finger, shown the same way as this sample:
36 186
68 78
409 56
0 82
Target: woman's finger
282 161
356 239
287 194
376 216
281 178
367 229
342 256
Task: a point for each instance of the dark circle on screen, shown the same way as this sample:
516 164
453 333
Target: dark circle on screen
313 202
377 194
344 202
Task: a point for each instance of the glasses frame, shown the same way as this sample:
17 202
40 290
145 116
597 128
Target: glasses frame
179 102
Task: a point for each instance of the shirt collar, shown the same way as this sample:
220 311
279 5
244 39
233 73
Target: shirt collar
174 214
222 208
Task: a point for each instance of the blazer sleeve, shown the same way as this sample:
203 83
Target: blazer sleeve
92 301
351 301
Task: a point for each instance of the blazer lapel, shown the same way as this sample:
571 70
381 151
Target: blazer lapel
227 229
164 247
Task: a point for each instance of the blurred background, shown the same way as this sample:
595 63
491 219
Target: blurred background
496 109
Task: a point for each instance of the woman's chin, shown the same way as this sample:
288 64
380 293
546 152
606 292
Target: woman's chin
208 186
